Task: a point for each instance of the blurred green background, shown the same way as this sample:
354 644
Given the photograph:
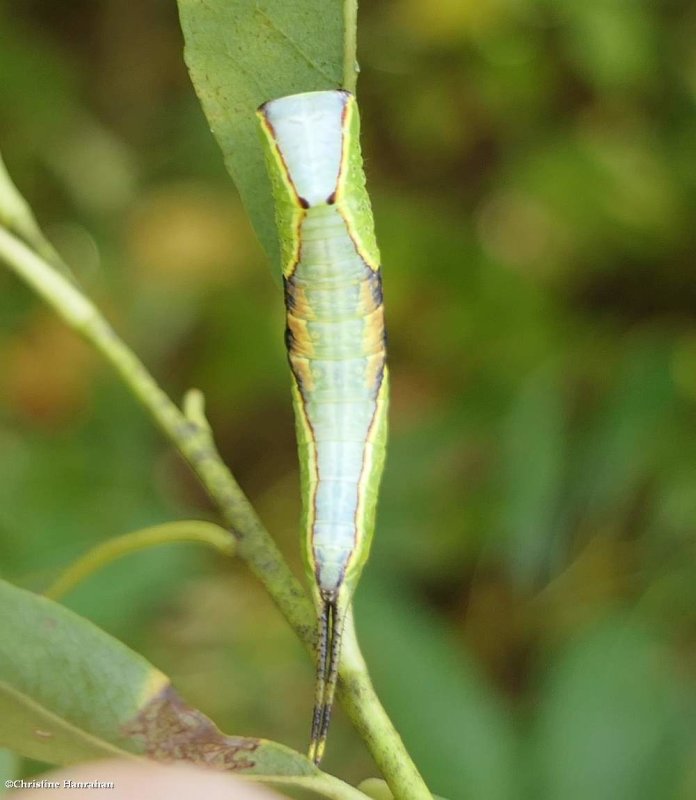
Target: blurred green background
529 613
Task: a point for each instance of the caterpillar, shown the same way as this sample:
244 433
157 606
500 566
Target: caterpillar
336 344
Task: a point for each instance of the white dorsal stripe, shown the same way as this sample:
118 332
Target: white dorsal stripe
308 132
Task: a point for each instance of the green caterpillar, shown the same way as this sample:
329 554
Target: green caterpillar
335 338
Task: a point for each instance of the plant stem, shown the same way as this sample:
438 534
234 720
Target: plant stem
17 216
169 533
359 700
190 434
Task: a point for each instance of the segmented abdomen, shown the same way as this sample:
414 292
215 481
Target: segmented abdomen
336 346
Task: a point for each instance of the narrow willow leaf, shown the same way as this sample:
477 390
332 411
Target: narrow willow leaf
241 53
70 692
169 730
60 674
474 754
533 458
615 720
35 732
308 788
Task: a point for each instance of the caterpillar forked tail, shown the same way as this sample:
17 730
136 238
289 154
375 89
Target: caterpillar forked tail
328 656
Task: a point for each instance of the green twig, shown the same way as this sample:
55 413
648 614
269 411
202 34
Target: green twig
171 532
16 216
191 435
373 723
192 439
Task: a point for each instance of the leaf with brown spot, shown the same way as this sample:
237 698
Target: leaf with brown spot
169 730
69 692
66 687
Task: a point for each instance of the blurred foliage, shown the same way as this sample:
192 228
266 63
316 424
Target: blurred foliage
530 610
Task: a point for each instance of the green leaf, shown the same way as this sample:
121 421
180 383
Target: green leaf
614 719
9 766
70 692
241 53
66 688
451 720
533 453
310 787
624 444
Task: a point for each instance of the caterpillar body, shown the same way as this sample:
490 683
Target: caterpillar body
335 337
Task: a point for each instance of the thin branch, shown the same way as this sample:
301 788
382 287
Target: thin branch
190 531
373 724
194 441
191 435
17 216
